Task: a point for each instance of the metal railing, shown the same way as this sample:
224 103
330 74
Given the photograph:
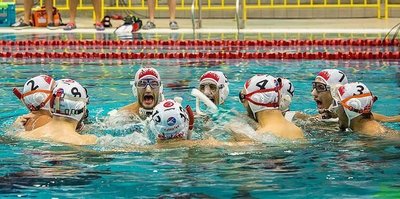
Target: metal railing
390 5
246 6
313 4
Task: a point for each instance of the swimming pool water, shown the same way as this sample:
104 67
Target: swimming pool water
330 165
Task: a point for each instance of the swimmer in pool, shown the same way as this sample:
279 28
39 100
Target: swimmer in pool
325 82
148 89
323 86
261 98
354 106
287 93
213 91
172 123
215 86
35 96
68 106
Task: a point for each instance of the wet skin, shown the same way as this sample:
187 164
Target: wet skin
322 99
211 91
148 93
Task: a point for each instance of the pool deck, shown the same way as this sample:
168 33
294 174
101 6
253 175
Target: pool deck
357 25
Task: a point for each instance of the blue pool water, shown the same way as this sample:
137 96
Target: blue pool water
329 165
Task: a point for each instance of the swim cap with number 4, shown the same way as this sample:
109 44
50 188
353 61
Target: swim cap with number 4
69 99
262 92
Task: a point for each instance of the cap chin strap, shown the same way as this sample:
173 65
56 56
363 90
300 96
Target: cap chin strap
144 113
80 126
191 117
327 113
335 101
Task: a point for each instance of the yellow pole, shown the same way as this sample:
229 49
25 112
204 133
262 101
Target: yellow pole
379 8
244 11
386 9
102 9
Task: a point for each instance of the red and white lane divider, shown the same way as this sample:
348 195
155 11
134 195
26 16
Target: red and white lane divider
202 55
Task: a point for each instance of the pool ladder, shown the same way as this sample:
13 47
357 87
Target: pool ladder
198 24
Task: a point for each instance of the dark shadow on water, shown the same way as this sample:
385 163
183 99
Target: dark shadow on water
51 169
184 196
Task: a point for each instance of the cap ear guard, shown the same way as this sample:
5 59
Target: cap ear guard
134 89
354 104
40 98
286 93
334 92
161 93
285 102
335 98
55 100
224 92
75 110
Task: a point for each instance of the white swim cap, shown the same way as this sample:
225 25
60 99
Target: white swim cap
287 92
144 73
262 92
69 99
332 77
37 91
147 73
169 120
356 99
218 78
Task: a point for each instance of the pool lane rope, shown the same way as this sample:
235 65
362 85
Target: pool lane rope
202 55
191 43
9 50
